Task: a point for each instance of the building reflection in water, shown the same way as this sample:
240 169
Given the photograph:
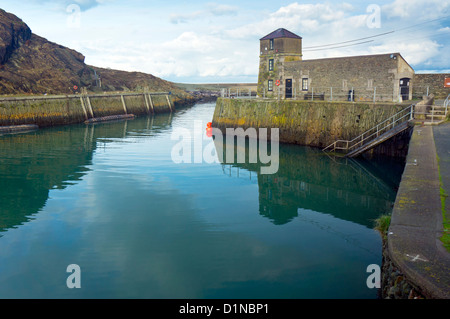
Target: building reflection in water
354 190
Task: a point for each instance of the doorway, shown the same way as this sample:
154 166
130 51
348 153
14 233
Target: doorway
404 88
288 93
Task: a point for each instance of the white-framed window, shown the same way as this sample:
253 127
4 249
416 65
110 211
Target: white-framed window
271 44
270 64
270 85
305 84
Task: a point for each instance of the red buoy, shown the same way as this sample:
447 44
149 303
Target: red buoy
209 131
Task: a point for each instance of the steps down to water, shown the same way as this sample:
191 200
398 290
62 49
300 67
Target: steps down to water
377 141
434 115
378 134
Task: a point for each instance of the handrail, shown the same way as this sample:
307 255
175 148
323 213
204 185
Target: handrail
446 104
382 127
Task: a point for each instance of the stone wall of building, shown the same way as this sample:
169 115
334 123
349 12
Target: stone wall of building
371 77
434 82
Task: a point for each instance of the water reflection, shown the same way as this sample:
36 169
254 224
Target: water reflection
31 164
141 226
307 178
34 163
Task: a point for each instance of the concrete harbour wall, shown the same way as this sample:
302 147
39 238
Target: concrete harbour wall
312 123
68 109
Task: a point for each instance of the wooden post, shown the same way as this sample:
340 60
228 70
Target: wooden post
89 105
168 101
146 104
84 109
123 103
151 102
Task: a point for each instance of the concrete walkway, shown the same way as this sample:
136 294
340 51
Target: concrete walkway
416 224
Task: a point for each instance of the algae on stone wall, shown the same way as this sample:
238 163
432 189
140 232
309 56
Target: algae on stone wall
68 110
312 123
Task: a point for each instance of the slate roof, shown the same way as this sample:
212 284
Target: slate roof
280 33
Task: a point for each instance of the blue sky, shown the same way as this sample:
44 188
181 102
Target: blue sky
218 41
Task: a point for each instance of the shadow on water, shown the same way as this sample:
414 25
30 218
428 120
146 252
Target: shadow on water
31 164
349 189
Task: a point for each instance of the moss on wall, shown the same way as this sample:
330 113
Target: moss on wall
313 123
68 110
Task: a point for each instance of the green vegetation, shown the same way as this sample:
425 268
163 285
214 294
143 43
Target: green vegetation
445 238
382 224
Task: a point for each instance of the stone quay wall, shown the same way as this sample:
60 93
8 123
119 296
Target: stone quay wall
310 123
69 109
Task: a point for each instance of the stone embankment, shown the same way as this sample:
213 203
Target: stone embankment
311 123
70 109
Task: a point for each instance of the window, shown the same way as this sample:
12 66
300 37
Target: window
270 85
271 65
271 44
305 84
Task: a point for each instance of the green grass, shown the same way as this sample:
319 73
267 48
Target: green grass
382 224
445 238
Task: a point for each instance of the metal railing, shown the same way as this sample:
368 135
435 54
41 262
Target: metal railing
446 104
238 93
405 115
346 93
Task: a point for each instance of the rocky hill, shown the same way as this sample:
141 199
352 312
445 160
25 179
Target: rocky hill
29 64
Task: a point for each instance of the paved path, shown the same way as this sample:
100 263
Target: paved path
442 141
416 223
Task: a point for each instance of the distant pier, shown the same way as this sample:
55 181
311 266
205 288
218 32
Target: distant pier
49 110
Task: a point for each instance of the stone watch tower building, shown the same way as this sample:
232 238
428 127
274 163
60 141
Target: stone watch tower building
276 48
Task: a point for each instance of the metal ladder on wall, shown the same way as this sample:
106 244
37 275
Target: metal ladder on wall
383 131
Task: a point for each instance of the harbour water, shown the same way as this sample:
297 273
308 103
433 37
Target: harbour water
109 198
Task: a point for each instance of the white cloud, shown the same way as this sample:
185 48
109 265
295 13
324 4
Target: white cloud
219 41
212 10
82 4
413 52
417 9
298 18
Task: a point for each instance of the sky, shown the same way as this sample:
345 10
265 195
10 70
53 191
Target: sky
218 41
